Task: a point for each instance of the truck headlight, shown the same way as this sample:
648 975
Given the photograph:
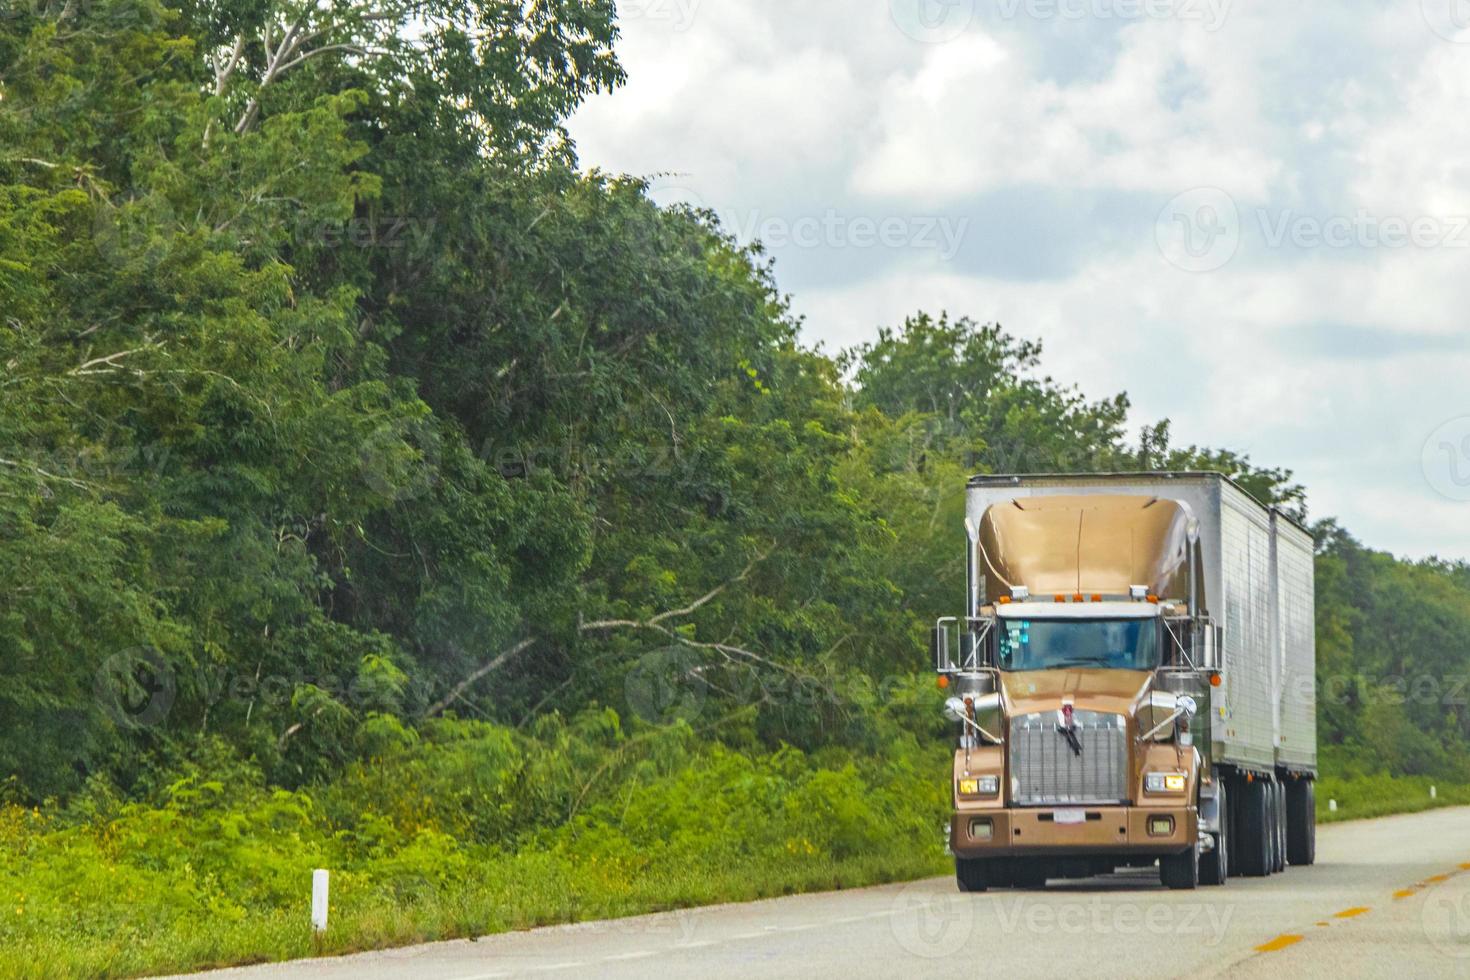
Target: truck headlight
980 786
1164 782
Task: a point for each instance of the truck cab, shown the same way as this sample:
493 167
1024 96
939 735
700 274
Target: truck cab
1086 683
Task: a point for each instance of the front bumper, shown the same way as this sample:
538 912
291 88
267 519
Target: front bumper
1105 830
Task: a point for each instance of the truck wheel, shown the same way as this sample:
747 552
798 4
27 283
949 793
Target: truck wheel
1215 866
1180 871
1234 823
1253 846
1030 874
971 874
1278 796
1273 833
1301 823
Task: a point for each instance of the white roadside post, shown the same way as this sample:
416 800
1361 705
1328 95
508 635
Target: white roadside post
1331 806
319 901
1434 792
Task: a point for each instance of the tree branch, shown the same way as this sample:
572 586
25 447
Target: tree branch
486 669
655 623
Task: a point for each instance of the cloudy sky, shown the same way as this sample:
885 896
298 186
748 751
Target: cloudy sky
1253 218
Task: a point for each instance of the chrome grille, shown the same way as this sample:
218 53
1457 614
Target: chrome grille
1046 772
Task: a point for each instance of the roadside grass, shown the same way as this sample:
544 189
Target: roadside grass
469 832
1364 797
515 895
219 876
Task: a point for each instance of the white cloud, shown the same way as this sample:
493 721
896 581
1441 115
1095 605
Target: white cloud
975 117
1059 141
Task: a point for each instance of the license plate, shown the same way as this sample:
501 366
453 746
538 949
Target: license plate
1069 817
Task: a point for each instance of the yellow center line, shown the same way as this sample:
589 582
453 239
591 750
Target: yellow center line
1438 878
1405 893
1280 942
1323 925
1352 913
1465 867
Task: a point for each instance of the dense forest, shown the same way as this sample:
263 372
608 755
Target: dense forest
373 476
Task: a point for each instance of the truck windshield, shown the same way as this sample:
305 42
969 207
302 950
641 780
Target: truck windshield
1047 644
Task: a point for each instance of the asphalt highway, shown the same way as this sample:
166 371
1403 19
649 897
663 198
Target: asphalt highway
1387 898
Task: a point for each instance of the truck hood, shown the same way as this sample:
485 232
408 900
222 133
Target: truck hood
1114 691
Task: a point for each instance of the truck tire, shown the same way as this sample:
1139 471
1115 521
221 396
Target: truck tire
1234 820
1030 874
1214 867
1278 796
1180 871
972 874
1301 823
1253 846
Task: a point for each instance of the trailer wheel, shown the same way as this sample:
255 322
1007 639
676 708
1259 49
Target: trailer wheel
1273 821
1215 867
1253 847
1301 822
1180 871
1279 796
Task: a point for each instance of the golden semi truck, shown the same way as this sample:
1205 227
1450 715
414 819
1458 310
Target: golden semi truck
1133 682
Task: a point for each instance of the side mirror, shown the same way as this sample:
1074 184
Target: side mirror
954 710
1188 705
939 647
